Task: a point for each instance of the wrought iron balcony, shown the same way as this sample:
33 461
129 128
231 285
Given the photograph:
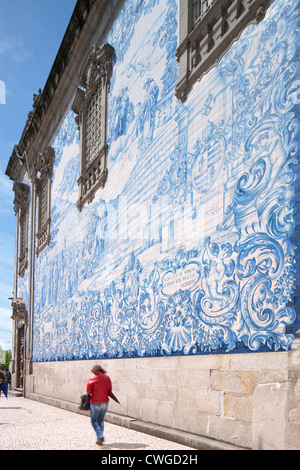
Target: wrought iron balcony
200 8
207 29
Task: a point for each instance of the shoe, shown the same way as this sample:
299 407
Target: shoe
100 441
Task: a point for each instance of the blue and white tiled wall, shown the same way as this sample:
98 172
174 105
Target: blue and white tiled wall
190 247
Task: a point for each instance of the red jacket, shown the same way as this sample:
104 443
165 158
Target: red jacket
99 387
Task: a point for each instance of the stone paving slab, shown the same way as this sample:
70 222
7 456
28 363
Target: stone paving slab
30 425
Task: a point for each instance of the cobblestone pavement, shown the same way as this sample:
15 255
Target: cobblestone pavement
30 425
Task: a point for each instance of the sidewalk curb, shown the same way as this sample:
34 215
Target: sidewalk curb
180 437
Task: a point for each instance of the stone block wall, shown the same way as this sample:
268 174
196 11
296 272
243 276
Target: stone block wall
249 400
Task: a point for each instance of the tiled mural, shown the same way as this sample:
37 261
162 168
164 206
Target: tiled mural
188 248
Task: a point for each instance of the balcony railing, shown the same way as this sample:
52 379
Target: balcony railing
208 28
200 8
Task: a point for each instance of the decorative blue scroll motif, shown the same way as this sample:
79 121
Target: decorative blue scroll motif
236 293
203 300
232 290
260 263
196 172
121 35
146 113
209 154
150 314
174 185
122 115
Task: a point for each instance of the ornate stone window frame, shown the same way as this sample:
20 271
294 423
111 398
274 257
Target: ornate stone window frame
44 166
207 29
21 208
94 78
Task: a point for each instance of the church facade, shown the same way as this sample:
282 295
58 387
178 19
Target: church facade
156 192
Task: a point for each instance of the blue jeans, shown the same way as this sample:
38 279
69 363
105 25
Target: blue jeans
98 411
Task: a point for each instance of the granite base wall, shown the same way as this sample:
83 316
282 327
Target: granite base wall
247 400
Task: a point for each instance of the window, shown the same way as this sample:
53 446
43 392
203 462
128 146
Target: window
199 8
43 205
43 191
93 118
90 106
21 207
207 29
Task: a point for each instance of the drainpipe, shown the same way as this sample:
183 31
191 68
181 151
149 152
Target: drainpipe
13 352
31 285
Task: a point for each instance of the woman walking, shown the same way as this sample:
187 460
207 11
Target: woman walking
99 388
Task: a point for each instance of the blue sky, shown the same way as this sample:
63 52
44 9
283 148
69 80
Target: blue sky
31 32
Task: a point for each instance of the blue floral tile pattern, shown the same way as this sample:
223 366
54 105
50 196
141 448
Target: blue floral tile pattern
189 248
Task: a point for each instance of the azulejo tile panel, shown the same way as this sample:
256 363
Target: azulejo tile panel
188 249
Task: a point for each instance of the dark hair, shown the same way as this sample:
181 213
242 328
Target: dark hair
96 369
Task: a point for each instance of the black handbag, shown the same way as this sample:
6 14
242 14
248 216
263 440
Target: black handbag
85 402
